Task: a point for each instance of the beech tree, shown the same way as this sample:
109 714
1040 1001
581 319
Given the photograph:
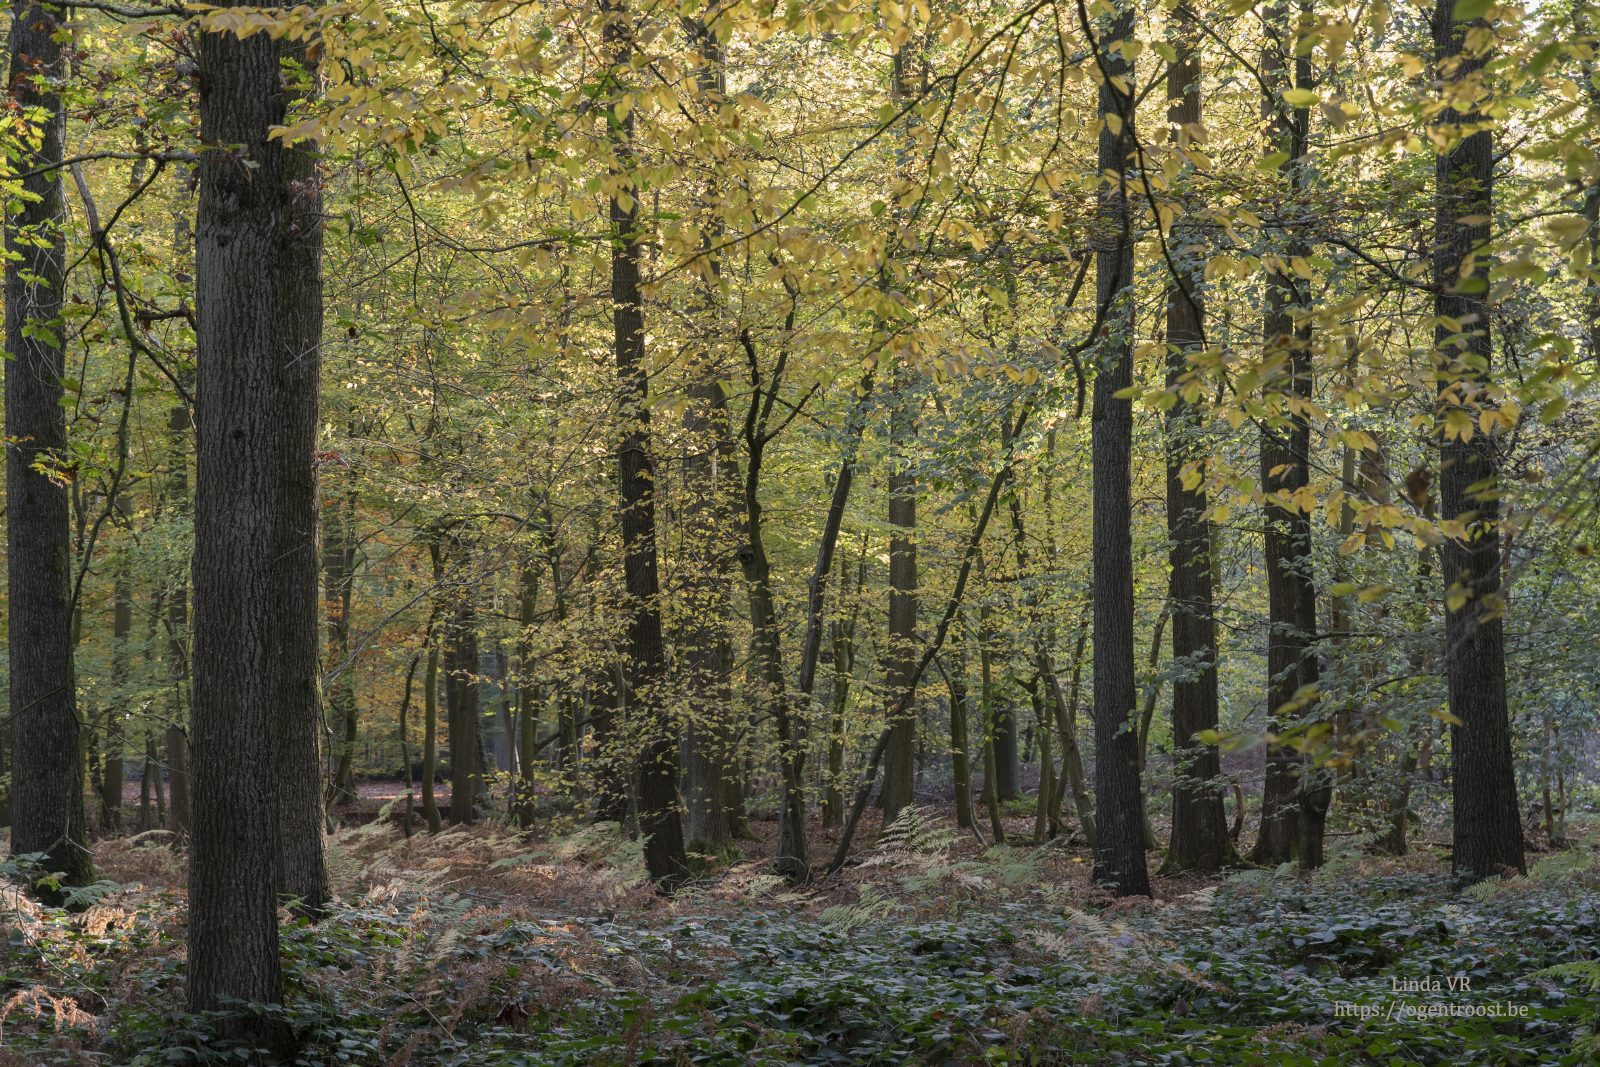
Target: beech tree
47 814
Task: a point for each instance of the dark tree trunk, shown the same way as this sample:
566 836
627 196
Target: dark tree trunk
710 533
794 854
1119 860
430 736
960 731
116 742
47 813
1200 839
1488 832
255 772
461 704
1284 438
527 697
297 729
657 790
900 647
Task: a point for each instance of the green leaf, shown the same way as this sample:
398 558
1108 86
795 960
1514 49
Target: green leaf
1467 10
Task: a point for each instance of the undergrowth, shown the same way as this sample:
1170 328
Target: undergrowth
474 947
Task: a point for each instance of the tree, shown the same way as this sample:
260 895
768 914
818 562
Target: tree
1285 447
645 670
1119 860
1200 839
1487 834
47 815
258 297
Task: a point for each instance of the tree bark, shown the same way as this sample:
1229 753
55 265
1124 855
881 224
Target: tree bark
657 790
1284 441
711 502
1119 859
1488 833
47 814
257 823
462 710
1200 839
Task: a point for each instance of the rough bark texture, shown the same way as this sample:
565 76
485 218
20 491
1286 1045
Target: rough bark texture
1119 860
900 649
297 727
258 240
1488 833
1281 471
1200 839
657 775
47 813
461 704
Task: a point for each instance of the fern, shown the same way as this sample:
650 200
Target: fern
870 906
914 832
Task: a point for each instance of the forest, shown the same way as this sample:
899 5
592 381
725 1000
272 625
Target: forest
749 533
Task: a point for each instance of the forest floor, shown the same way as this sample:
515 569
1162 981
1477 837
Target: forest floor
481 946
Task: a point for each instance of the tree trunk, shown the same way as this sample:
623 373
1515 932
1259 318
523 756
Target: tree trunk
257 825
842 640
116 742
657 792
180 699
430 735
47 813
302 814
461 708
1119 860
338 567
711 500
1200 839
960 733
900 649
1488 832
1282 472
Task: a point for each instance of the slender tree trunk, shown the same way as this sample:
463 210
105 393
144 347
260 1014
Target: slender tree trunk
991 795
1200 839
1147 714
1488 832
47 814
659 818
900 651
1281 473
116 743
1072 778
257 824
527 697
430 736
1119 860
711 492
338 573
461 704
960 738
179 695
